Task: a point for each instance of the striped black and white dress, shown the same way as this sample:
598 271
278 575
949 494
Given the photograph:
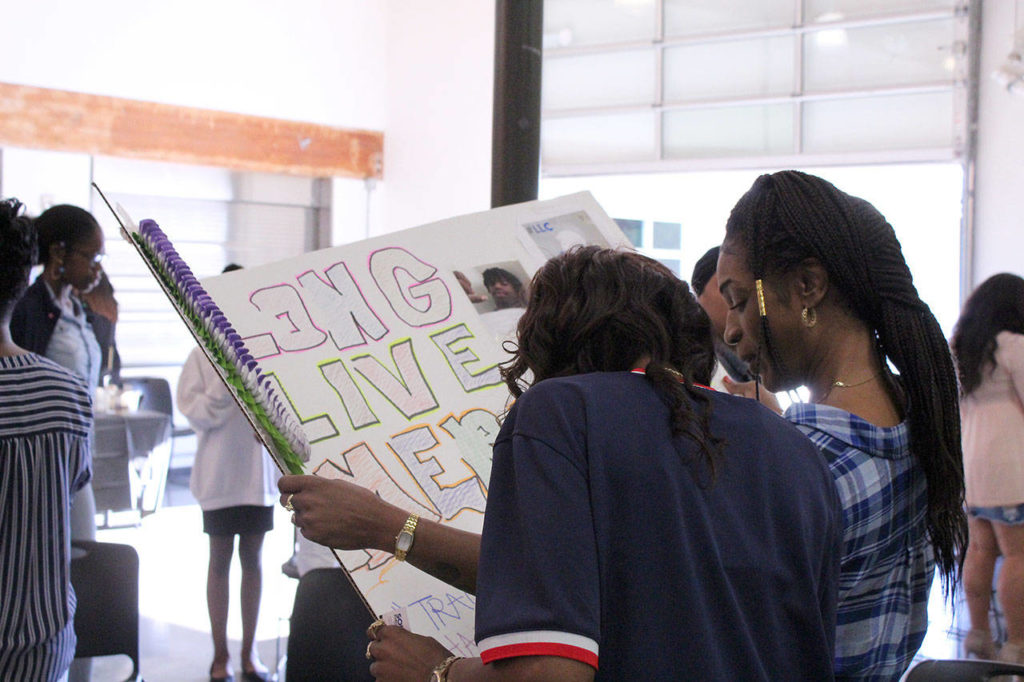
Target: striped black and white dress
45 420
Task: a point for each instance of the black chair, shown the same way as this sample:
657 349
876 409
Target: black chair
967 670
105 576
155 395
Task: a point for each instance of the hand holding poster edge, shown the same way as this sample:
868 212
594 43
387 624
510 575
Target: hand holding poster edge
433 605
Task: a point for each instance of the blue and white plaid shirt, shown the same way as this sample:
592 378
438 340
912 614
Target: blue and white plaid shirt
887 564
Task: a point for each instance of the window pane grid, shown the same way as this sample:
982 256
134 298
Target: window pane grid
727 64
788 28
213 217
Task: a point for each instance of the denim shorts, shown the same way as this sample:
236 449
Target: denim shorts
1011 516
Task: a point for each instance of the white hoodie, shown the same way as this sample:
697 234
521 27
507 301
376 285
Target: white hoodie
231 467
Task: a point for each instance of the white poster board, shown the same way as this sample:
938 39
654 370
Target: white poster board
393 372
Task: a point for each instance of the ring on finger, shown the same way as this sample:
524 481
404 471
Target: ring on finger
374 626
369 656
288 503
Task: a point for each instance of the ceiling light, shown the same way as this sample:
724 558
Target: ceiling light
833 37
825 17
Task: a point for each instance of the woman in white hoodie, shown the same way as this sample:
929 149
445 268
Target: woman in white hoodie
235 483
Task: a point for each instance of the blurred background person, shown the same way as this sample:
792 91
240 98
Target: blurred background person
45 420
327 627
100 301
732 374
235 483
51 320
820 295
988 343
704 282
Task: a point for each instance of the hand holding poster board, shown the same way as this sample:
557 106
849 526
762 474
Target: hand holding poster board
393 372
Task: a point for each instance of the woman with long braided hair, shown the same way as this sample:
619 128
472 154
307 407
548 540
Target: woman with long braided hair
821 296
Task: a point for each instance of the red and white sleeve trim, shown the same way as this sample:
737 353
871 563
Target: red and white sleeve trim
539 643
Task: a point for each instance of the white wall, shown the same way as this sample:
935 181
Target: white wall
420 70
437 144
999 208
308 60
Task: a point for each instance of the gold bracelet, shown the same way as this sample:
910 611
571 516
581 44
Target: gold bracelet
440 673
405 537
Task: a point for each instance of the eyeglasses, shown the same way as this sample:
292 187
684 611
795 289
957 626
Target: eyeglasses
92 258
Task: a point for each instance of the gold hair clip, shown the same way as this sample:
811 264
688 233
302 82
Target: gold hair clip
760 298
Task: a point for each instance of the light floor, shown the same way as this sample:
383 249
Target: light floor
174 637
174 626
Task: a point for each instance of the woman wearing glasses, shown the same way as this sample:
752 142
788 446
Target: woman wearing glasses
52 321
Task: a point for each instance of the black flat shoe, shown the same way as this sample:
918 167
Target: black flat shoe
253 676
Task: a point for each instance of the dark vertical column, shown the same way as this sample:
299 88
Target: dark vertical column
515 145
970 150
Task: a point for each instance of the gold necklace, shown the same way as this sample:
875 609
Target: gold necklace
843 384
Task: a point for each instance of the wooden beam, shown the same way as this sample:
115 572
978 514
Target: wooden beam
58 120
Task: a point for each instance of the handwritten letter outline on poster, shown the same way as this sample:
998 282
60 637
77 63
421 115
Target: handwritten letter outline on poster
393 372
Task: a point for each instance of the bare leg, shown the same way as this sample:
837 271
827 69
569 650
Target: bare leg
979 566
217 597
250 547
1010 587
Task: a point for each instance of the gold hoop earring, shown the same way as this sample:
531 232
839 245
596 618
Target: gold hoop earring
809 316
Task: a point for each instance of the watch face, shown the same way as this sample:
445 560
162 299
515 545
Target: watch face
403 541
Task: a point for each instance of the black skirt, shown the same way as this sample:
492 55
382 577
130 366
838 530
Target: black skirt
241 520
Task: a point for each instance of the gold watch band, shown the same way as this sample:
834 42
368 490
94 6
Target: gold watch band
440 673
405 537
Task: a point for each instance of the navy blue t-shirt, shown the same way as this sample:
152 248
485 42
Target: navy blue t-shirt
609 541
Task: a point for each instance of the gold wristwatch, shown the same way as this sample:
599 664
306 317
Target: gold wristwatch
440 673
405 537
